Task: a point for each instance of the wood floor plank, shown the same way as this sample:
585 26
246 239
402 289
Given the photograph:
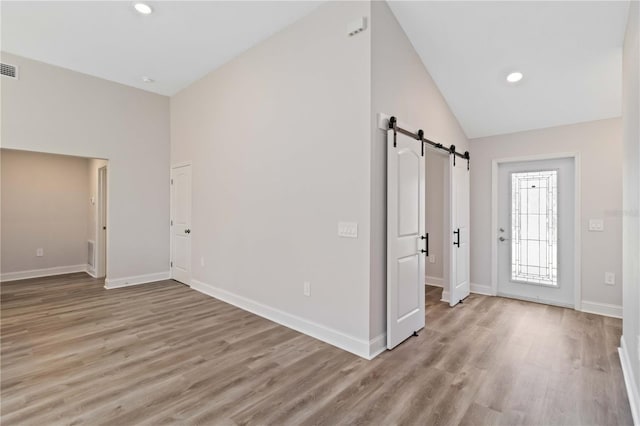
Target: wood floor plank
160 353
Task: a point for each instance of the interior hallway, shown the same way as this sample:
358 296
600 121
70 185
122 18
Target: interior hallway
73 352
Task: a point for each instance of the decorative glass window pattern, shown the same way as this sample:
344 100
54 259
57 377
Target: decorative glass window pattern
534 227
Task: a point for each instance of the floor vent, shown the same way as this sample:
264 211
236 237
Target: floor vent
8 70
91 260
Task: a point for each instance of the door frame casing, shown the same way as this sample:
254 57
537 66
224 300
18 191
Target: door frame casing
171 168
577 259
102 239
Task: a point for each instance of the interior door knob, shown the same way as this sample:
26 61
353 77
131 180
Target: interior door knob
187 231
503 239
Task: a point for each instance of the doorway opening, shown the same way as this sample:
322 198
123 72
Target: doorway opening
54 215
437 222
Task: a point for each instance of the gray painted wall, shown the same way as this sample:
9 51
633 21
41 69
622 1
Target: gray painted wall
54 110
45 201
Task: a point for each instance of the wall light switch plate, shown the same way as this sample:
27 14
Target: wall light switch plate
596 225
348 229
39 252
432 258
609 278
306 288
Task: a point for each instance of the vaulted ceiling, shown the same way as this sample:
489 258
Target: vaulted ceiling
180 42
569 51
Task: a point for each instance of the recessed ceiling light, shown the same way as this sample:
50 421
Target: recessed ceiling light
147 79
143 8
515 77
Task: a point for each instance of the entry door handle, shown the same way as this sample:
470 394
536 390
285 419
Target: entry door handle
502 239
187 231
457 242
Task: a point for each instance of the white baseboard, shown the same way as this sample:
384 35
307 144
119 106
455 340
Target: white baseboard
481 289
367 349
377 345
605 309
434 281
91 271
45 272
629 380
111 283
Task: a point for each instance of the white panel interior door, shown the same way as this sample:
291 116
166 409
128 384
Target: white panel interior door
536 230
459 232
405 238
180 224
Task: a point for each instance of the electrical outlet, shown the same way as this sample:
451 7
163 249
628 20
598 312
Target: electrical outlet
307 288
596 225
39 252
432 258
609 278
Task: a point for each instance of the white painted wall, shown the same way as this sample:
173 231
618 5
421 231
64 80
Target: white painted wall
401 86
44 205
279 139
600 146
50 109
631 203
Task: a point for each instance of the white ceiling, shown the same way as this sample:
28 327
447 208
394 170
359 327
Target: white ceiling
180 42
569 51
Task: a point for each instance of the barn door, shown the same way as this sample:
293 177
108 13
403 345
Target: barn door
405 238
459 281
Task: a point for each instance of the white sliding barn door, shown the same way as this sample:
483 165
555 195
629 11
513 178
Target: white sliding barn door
459 280
405 242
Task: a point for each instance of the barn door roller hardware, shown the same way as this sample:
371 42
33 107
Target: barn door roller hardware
393 125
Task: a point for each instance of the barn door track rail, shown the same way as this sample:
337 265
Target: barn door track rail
393 125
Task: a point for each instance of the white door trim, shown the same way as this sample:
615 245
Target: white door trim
578 224
102 239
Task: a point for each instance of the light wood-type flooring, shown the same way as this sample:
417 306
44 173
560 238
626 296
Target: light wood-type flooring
161 353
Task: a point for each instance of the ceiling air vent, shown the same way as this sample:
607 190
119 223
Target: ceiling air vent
9 70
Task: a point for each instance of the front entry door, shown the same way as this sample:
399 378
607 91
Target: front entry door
405 238
181 224
536 229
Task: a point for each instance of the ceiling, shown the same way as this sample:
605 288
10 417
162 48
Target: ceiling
570 52
180 42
